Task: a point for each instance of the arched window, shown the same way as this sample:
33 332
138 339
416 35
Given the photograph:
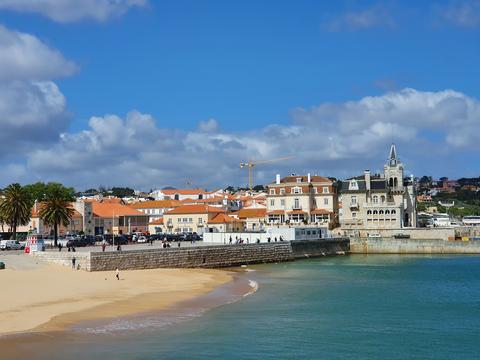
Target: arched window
381 212
390 182
387 212
375 212
395 182
393 212
382 198
369 212
375 199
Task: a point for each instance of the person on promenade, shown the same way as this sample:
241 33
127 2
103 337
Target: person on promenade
275 239
103 246
117 274
73 262
179 244
230 239
281 238
119 248
59 247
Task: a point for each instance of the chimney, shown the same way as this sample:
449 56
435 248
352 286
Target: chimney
309 178
277 179
367 180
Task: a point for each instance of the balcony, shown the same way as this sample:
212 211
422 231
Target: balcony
353 205
296 207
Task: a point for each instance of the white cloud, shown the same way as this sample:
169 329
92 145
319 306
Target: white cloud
461 13
333 139
210 125
66 11
32 108
373 17
24 57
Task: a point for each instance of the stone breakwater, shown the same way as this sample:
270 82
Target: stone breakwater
217 256
412 246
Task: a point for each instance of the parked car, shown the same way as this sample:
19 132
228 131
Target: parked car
142 239
11 245
119 240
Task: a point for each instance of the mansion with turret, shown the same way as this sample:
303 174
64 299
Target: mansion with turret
377 202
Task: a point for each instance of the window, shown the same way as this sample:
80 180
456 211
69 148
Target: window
387 212
325 201
369 212
272 202
282 202
282 191
382 199
354 200
353 185
297 190
381 212
200 220
375 199
299 180
375 212
354 215
190 220
296 204
393 212
272 191
325 189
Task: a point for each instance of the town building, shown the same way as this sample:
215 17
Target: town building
254 218
225 223
376 202
300 199
156 208
190 218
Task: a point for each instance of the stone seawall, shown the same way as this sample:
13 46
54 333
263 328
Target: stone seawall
305 248
64 258
199 257
202 256
412 246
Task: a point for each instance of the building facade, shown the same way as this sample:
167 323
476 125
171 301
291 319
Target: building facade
299 199
382 201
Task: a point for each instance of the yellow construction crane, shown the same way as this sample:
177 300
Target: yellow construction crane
251 163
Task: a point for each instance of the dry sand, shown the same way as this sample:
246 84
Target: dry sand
52 297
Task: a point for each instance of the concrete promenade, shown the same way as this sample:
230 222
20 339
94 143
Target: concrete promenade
412 246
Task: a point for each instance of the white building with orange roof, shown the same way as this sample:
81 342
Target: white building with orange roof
156 226
179 194
254 218
225 223
190 218
302 199
156 208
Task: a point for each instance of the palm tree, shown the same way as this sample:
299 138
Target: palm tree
16 207
56 209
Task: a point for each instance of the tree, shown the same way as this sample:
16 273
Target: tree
16 207
56 209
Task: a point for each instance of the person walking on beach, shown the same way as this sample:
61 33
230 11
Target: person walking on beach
117 274
73 262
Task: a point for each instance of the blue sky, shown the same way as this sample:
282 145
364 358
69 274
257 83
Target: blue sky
247 67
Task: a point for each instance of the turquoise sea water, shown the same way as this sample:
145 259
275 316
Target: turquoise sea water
353 307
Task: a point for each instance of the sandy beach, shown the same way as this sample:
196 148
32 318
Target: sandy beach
49 297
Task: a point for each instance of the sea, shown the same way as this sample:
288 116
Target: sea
346 307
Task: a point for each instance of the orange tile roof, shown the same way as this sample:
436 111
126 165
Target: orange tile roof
183 191
108 210
276 212
296 212
223 218
195 209
204 201
156 204
320 212
251 213
156 222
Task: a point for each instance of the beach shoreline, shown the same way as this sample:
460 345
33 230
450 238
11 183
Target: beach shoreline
52 298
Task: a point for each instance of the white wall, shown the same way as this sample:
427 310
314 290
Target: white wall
292 233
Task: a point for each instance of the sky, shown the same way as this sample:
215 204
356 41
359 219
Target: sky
147 94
